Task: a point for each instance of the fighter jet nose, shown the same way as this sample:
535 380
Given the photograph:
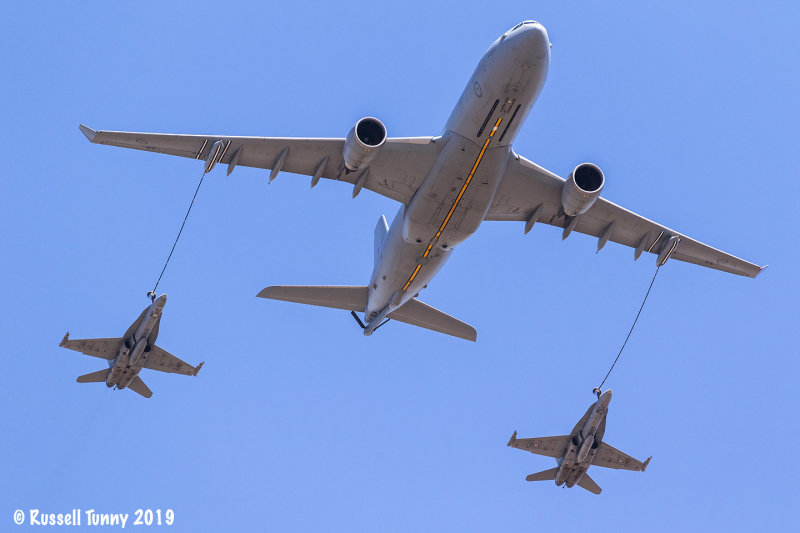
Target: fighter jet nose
606 397
161 300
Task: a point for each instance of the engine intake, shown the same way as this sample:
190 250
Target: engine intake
363 142
582 189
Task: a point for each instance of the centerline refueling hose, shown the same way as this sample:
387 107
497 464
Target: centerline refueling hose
598 389
152 294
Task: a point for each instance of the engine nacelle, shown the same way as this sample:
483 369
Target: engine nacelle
363 142
586 447
137 352
582 189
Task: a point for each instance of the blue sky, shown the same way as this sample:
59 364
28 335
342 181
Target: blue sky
299 423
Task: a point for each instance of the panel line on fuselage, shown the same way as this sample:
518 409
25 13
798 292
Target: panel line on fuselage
510 121
432 243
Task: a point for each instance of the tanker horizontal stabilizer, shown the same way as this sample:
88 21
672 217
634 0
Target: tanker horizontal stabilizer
94 377
423 315
546 475
354 298
588 483
337 297
138 386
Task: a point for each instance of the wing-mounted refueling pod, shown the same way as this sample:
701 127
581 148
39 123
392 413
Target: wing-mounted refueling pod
667 250
217 151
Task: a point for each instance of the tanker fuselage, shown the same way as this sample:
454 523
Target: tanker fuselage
453 199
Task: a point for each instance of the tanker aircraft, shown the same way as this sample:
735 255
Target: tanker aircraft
446 185
579 450
127 355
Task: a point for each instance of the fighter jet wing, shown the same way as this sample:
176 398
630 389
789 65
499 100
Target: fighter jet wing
610 457
396 172
527 188
102 348
549 446
162 360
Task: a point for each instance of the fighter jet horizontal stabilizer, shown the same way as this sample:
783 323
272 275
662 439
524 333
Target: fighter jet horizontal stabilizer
94 377
546 475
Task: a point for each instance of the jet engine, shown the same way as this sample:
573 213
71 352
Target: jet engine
587 446
137 351
582 189
363 142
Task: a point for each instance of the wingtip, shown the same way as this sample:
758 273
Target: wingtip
512 439
760 270
644 467
197 370
264 292
89 132
64 340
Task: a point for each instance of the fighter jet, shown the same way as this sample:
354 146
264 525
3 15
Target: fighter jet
127 355
447 185
579 450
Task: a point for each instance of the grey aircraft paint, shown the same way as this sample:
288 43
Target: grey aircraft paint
132 352
447 185
579 450
453 199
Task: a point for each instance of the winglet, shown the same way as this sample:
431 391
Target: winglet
644 467
196 370
512 439
64 340
89 132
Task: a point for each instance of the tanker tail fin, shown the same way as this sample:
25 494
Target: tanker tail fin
381 230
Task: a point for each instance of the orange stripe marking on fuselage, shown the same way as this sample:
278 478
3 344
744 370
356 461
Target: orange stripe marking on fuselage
435 238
